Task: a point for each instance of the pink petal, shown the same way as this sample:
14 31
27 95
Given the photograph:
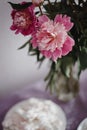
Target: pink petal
13 27
58 18
43 19
56 54
33 41
65 20
67 47
46 53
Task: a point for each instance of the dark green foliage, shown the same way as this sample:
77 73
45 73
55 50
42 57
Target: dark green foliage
78 14
83 58
24 45
33 51
20 6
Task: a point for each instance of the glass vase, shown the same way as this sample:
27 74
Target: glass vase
67 88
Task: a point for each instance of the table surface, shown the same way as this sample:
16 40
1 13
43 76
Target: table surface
75 110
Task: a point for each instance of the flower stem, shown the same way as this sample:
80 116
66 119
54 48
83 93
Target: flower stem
40 10
49 2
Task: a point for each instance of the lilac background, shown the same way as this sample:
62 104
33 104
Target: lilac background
75 110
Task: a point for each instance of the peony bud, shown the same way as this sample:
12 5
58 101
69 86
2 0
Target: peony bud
37 2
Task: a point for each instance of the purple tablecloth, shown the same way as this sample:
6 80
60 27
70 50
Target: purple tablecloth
75 110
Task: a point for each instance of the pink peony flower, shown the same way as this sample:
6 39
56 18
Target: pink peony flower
37 2
52 38
24 21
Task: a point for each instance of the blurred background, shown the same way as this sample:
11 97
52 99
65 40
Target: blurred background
17 68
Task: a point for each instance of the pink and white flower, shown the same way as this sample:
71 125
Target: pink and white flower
52 38
24 21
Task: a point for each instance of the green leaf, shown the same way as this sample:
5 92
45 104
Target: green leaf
83 58
66 63
20 6
24 45
30 48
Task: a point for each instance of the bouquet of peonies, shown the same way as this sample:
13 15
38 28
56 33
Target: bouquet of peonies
57 30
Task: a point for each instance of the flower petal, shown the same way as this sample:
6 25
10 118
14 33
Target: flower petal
56 54
46 53
65 20
67 47
42 19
